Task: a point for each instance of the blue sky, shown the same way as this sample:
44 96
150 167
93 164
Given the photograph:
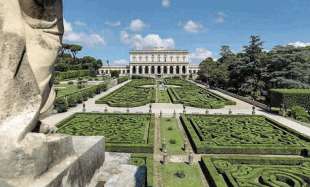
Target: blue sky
109 29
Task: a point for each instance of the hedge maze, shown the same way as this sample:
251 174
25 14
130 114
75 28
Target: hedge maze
257 171
241 134
131 95
190 94
122 132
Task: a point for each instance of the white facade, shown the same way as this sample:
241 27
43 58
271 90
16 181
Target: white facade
156 62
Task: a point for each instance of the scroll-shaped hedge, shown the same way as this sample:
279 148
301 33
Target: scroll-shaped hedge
253 171
290 98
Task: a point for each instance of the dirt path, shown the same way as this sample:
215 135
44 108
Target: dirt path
157 154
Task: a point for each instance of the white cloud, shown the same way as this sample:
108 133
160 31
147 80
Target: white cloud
200 54
193 27
137 25
88 39
166 3
120 62
113 23
137 41
300 44
220 17
80 23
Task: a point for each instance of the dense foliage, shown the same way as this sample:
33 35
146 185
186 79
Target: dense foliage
254 71
68 60
242 135
122 132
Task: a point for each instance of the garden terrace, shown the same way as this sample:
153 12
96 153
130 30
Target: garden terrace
131 95
256 171
241 134
122 132
190 94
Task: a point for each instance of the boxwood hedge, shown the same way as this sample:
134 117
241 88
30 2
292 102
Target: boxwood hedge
145 161
131 133
244 171
242 134
60 76
290 98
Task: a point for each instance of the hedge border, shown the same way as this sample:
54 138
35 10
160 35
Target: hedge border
61 76
148 159
200 147
217 180
124 148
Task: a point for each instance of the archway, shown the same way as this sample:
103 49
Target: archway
171 69
134 70
146 70
178 70
140 70
184 70
165 70
158 70
152 70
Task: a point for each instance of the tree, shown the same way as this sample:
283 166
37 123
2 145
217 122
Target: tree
115 73
75 49
214 73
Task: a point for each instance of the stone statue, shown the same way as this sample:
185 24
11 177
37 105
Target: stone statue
30 37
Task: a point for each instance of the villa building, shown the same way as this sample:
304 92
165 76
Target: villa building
156 62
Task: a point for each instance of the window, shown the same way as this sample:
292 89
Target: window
171 58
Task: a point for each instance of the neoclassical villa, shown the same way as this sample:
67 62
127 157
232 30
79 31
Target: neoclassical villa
157 62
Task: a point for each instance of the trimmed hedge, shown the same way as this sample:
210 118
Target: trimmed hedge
144 160
107 125
235 171
71 100
235 138
122 79
60 76
190 94
290 98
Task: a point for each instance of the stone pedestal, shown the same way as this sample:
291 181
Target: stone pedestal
70 161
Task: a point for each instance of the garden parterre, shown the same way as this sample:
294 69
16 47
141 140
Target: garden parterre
239 134
190 94
256 171
122 132
131 95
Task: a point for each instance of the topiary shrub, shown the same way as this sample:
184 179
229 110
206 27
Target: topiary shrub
70 82
61 105
170 128
300 114
180 174
172 141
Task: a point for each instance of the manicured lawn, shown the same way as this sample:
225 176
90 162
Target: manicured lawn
131 95
242 134
190 94
163 96
122 132
170 131
192 175
257 171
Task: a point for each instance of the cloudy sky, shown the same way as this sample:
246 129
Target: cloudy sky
109 29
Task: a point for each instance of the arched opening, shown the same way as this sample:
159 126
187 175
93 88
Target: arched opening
140 69
152 70
184 70
171 69
178 70
165 70
158 70
134 70
147 70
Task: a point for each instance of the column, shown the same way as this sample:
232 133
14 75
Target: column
168 70
150 70
174 70
155 72
143 70
137 70
162 70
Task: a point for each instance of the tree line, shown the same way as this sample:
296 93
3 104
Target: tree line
67 60
253 71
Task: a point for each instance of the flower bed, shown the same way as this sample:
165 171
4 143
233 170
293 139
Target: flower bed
131 95
256 171
122 132
241 134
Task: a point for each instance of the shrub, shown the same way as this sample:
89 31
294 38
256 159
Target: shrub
61 105
122 79
70 83
60 76
290 98
180 174
172 141
300 114
170 128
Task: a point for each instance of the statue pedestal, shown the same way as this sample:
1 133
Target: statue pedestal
72 162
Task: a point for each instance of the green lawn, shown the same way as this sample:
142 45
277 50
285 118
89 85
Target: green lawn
192 175
170 131
163 96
